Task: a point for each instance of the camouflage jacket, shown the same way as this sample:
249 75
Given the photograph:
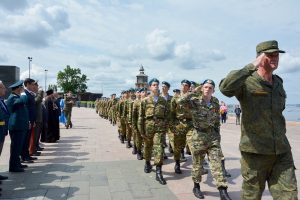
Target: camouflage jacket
206 117
135 113
263 124
181 115
153 117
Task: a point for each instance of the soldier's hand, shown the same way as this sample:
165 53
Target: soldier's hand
260 60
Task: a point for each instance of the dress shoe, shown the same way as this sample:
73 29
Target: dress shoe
27 161
17 170
36 154
3 177
23 166
40 148
32 158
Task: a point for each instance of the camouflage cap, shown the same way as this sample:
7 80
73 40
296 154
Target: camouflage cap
209 81
268 47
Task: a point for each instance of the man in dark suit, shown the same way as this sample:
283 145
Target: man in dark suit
29 92
18 125
4 116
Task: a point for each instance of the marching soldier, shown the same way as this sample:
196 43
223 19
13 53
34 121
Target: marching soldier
152 125
205 138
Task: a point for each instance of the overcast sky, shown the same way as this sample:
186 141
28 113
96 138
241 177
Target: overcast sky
173 39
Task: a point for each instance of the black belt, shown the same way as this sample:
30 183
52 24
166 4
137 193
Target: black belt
155 118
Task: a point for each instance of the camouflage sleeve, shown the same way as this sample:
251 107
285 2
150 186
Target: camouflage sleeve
173 108
134 115
141 118
233 83
130 108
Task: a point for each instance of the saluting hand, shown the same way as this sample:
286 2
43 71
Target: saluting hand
260 60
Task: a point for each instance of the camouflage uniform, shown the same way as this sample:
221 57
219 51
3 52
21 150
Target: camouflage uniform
266 153
121 117
137 138
181 120
68 110
127 115
205 138
152 123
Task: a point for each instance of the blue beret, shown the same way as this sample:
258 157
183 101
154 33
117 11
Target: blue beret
176 90
193 83
166 83
186 82
16 84
209 81
153 80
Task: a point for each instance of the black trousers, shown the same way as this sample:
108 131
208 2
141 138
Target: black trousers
16 145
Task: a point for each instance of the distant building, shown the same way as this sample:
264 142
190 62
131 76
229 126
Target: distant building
141 79
9 75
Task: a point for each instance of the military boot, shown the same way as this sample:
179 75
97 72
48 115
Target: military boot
148 167
182 157
159 176
128 144
223 193
177 167
170 148
122 139
134 151
139 155
197 192
164 154
225 173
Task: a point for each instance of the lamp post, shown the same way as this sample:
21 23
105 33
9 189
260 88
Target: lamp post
46 79
29 59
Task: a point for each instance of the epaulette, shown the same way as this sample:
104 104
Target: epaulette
279 78
214 99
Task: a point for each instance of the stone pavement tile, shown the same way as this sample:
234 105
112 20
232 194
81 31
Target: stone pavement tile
23 193
79 187
122 195
76 177
79 197
100 192
117 185
57 193
57 184
141 194
98 180
161 192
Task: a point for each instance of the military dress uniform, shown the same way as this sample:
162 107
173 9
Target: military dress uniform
152 124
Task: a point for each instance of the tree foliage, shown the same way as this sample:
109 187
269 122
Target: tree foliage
71 79
53 87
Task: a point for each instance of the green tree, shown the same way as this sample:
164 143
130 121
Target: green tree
71 79
53 87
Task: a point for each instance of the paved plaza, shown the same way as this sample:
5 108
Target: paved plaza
89 162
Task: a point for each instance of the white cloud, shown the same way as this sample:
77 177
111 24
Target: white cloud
160 45
289 64
36 27
93 62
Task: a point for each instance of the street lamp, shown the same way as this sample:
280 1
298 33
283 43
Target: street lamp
46 70
29 59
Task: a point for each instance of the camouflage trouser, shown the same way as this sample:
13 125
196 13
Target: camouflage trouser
171 138
137 139
179 144
206 143
154 141
68 114
128 131
277 170
123 127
